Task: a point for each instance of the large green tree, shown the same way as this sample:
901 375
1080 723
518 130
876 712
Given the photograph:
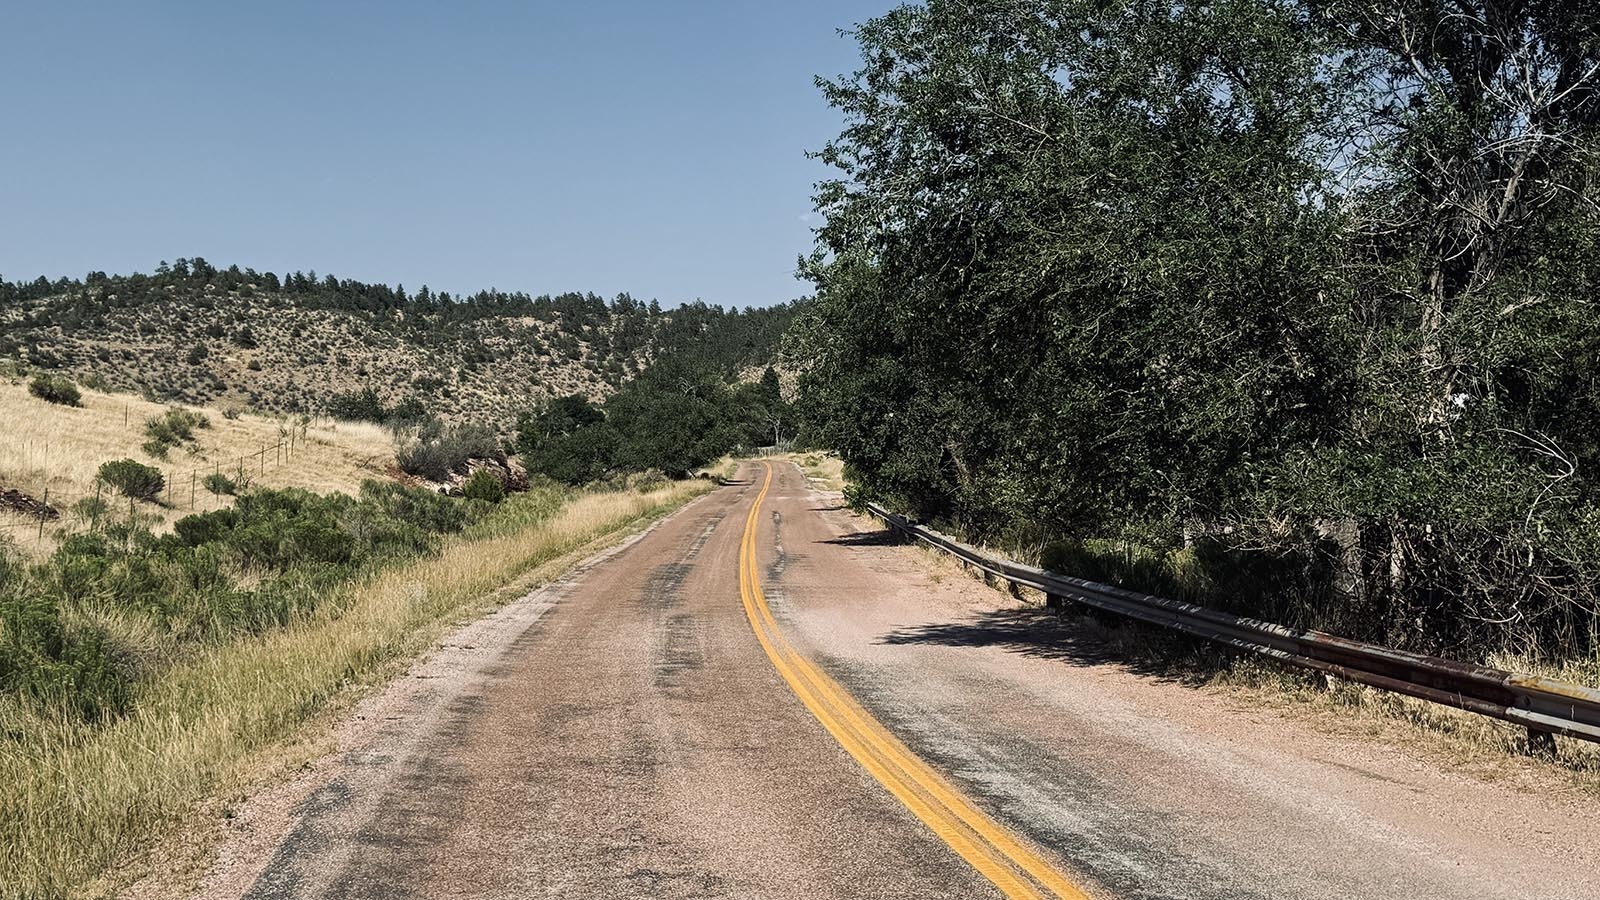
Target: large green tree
1308 276
1052 272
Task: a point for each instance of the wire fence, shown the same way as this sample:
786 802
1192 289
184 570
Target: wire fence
27 520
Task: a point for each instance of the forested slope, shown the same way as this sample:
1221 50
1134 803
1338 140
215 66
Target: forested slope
298 343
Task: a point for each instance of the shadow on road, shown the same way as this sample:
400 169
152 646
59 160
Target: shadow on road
1074 639
1072 636
883 538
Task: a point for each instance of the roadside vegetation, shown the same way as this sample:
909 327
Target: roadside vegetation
823 470
182 588
1285 307
142 672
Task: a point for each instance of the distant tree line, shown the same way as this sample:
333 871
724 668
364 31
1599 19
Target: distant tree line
612 339
677 416
1295 296
624 325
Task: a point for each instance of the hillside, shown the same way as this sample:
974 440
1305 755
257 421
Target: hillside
54 451
237 338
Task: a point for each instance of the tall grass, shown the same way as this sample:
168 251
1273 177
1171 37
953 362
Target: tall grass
75 799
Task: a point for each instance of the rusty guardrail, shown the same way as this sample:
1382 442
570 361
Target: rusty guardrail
1543 705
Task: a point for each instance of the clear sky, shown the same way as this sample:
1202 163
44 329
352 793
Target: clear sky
655 148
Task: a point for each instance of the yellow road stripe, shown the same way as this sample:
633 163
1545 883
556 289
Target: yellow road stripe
1013 868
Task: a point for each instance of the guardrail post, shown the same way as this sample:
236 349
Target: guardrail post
1541 744
1054 601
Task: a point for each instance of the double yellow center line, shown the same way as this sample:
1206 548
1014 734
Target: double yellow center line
1015 869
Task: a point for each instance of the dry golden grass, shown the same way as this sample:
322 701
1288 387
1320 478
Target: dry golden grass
76 800
54 448
1477 746
724 468
823 469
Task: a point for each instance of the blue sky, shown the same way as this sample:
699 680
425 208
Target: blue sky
654 148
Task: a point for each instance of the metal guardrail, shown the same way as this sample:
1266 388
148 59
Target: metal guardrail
1544 706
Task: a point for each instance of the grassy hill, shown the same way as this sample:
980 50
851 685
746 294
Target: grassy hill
192 333
54 451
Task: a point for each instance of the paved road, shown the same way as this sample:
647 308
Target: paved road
776 701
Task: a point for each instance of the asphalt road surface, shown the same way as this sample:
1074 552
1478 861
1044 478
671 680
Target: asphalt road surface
765 696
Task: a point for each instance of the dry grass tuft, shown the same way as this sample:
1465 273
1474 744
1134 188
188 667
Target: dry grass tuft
76 800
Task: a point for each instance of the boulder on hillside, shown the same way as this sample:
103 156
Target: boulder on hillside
510 472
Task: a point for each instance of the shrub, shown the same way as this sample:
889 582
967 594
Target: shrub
425 509
175 426
39 659
132 478
220 484
433 451
361 406
484 485
197 354
78 630
411 410
55 389
90 509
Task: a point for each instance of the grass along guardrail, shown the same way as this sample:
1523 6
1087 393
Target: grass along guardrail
1544 706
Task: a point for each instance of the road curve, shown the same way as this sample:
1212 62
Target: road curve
777 701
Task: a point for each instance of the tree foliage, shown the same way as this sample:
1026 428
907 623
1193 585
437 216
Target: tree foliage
675 417
1306 279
